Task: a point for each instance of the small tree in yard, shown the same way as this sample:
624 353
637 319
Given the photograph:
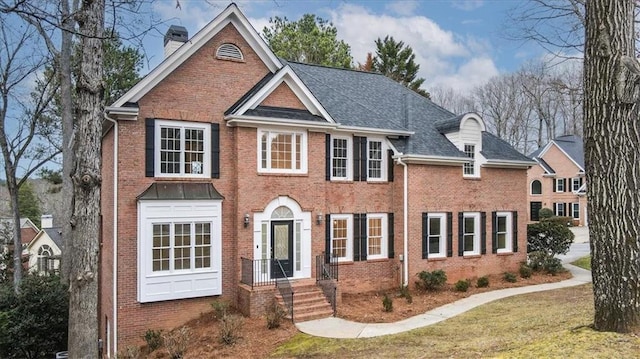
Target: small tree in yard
549 237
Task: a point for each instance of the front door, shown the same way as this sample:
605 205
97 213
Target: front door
281 249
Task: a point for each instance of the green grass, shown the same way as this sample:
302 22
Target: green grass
584 262
551 324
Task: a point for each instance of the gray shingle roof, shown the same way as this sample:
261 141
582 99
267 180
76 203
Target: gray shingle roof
497 149
572 145
55 234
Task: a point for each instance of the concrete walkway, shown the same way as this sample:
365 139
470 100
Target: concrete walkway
341 328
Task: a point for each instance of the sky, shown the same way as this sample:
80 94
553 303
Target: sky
459 44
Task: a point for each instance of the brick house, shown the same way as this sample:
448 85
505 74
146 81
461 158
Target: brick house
226 169
557 181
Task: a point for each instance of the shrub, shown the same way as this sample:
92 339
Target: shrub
550 237
510 277
553 265
545 213
406 294
431 280
33 323
564 221
153 338
387 303
275 314
220 308
462 285
482 282
230 329
525 270
177 341
542 261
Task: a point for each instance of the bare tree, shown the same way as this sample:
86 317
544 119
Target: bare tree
26 137
451 100
612 154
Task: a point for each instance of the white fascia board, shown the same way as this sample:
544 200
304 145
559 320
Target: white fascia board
373 131
256 121
508 164
288 76
230 15
434 160
122 113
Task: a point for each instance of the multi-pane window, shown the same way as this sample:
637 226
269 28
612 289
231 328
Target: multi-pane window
536 187
341 237
469 167
560 185
576 183
181 246
339 158
374 163
374 236
503 229
45 262
436 235
182 149
282 152
471 233
575 210
560 209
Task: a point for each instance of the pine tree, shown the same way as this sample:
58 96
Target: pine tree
397 61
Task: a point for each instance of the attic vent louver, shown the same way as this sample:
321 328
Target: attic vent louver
229 52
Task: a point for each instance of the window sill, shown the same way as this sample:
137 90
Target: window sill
471 256
504 253
377 260
470 178
283 174
436 259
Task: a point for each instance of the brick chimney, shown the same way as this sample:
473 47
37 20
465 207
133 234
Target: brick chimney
174 38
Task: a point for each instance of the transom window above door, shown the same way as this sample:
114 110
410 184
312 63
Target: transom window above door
282 152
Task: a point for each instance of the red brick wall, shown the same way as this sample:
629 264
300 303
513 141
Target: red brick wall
282 96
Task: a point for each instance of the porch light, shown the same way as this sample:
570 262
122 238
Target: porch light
319 218
246 220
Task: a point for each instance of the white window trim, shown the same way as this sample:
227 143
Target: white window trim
303 152
560 184
384 159
206 165
442 250
575 181
474 161
573 210
349 252
559 205
349 173
509 235
169 285
476 233
383 235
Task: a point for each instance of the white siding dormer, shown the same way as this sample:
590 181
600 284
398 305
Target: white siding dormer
468 139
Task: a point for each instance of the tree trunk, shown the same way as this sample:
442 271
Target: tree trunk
612 155
85 221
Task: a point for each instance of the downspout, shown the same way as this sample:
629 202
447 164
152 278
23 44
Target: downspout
115 231
405 220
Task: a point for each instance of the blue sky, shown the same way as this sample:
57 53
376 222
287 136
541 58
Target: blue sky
458 43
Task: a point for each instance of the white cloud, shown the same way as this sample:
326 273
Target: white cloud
403 7
467 5
474 72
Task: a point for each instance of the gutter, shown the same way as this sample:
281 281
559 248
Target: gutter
115 230
405 220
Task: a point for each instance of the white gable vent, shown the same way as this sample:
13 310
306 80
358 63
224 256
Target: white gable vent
229 52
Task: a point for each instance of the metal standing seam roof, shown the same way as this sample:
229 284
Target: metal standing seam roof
179 191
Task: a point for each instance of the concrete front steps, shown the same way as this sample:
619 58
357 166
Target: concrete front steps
309 302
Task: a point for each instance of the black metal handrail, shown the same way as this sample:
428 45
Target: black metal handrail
255 272
327 277
284 287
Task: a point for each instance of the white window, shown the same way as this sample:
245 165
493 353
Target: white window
342 236
436 235
341 158
575 209
375 161
182 149
376 236
282 152
45 262
471 234
576 183
560 184
470 167
560 209
503 228
179 249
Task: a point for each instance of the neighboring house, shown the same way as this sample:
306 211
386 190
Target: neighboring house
557 181
45 249
28 231
227 168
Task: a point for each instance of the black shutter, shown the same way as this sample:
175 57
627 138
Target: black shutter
514 235
460 234
215 150
391 235
555 209
359 237
564 209
554 184
327 234
449 234
327 156
494 232
425 235
357 175
564 185
390 166
483 231
363 159
149 150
